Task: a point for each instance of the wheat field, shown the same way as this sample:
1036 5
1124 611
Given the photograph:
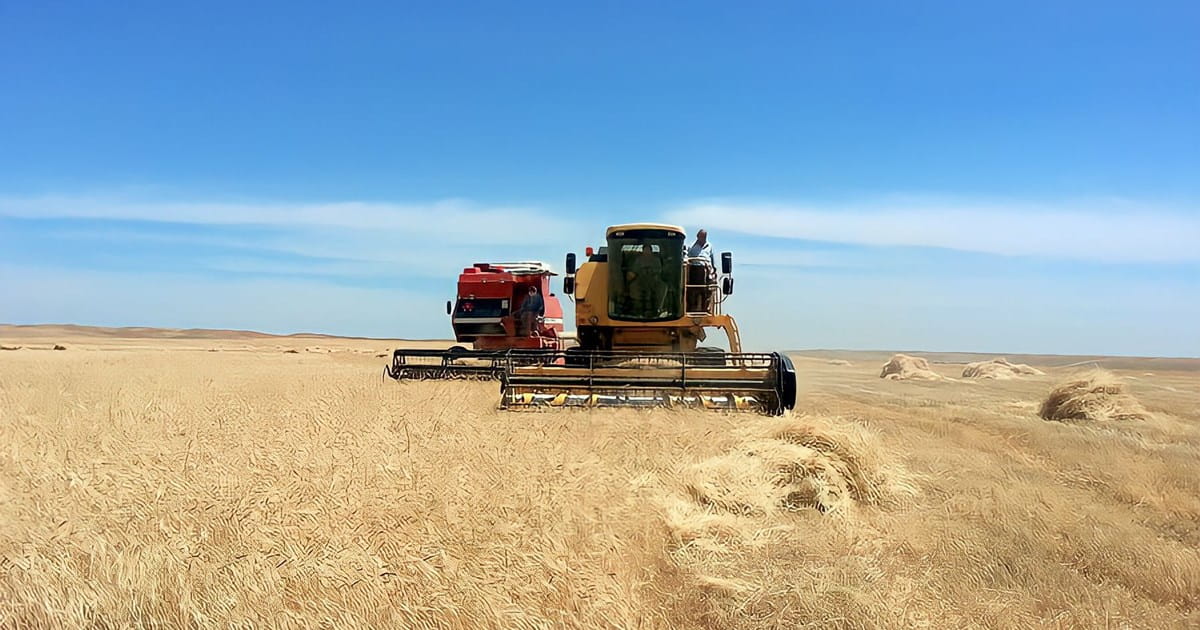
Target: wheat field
176 481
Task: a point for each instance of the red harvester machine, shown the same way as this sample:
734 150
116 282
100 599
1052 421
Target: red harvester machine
487 314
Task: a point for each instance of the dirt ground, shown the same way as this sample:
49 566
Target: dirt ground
182 478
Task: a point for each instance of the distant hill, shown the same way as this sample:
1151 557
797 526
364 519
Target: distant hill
142 332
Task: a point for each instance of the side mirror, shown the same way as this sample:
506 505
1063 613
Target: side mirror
570 263
726 263
449 309
569 285
727 286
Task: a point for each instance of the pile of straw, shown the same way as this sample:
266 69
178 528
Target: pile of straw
1094 397
999 369
798 464
903 367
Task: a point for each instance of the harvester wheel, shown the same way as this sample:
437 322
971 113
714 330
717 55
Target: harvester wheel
707 355
454 354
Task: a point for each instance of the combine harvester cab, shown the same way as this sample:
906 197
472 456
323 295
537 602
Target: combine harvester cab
642 307
486 313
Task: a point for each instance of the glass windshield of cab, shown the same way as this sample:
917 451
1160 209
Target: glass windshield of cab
646 277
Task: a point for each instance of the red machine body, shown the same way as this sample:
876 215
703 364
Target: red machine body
490 295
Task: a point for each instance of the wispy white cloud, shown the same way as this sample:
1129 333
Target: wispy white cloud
317 267
371 268
1108 231
409 233
776 256
467 222
356 238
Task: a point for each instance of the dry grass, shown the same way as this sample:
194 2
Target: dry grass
1094 397
902 367
797 464
744 497
177 487
999 369
207 489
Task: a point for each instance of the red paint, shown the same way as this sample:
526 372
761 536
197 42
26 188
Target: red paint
487 281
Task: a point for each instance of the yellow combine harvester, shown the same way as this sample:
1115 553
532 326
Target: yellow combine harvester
642 307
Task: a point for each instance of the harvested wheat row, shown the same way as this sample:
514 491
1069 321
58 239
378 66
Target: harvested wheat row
902 367
999 369
799 463
873 475
1095 397
750 500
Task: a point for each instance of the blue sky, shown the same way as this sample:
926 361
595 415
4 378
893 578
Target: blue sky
1010 177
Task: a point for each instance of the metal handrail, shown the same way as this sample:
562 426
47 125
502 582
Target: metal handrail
711 285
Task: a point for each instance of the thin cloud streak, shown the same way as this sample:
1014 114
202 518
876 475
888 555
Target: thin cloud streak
433 239
1099 232
468 222
238 266
1113 233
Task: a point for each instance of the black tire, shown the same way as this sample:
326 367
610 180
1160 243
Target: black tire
453 354
707 355
787 386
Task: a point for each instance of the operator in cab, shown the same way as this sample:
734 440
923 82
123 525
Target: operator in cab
645 281
532 308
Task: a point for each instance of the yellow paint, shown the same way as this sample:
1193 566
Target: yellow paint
643 226
682 335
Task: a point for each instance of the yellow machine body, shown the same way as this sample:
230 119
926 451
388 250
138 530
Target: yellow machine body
600 330
642 309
